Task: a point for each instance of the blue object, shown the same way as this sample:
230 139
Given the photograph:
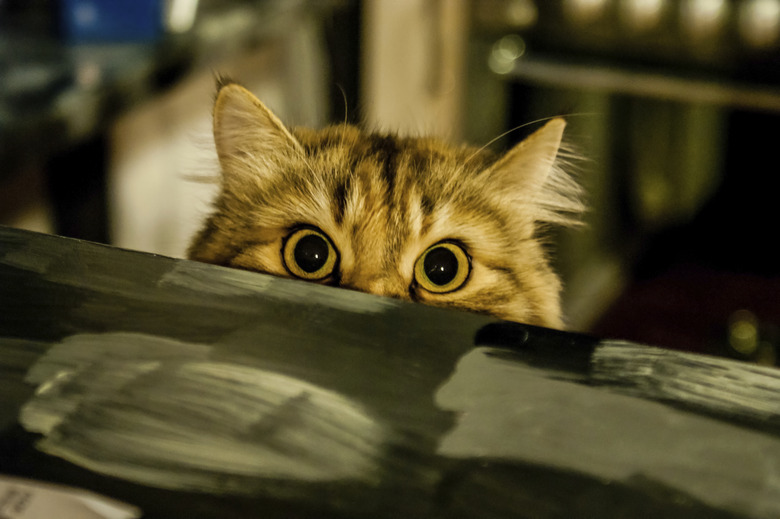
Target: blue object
111 20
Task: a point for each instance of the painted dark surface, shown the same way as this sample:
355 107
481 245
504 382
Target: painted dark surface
198 391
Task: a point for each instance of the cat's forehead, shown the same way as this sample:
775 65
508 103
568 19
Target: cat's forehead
374 181
352 146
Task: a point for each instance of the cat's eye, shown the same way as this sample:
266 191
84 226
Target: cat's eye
442 268
308 254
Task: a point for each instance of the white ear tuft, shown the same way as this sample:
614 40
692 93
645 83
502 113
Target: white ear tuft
531 174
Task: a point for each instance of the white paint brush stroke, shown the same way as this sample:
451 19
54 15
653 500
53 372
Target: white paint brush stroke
81 351
508 411
205 279
159 412
201 278
711 382
27 258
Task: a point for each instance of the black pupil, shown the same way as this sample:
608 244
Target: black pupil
311 253
440 265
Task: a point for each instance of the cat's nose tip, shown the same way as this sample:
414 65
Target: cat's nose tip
380 288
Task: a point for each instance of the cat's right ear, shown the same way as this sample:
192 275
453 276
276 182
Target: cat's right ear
244 127
531 176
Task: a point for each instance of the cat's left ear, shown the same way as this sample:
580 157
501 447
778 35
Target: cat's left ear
530 174
244 126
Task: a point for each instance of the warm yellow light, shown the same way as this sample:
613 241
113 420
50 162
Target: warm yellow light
759 22
642 15
584 11
702 19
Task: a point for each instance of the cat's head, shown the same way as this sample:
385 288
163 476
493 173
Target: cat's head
412 218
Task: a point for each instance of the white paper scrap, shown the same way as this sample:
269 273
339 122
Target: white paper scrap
27 499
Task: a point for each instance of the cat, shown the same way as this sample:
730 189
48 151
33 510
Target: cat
411 218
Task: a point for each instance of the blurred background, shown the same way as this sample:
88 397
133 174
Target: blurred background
105 128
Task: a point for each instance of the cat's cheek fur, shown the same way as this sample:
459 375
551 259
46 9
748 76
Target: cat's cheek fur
495 291
265 258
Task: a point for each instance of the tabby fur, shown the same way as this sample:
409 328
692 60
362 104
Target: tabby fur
383 200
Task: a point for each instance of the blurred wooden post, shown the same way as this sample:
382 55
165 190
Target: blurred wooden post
413 66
